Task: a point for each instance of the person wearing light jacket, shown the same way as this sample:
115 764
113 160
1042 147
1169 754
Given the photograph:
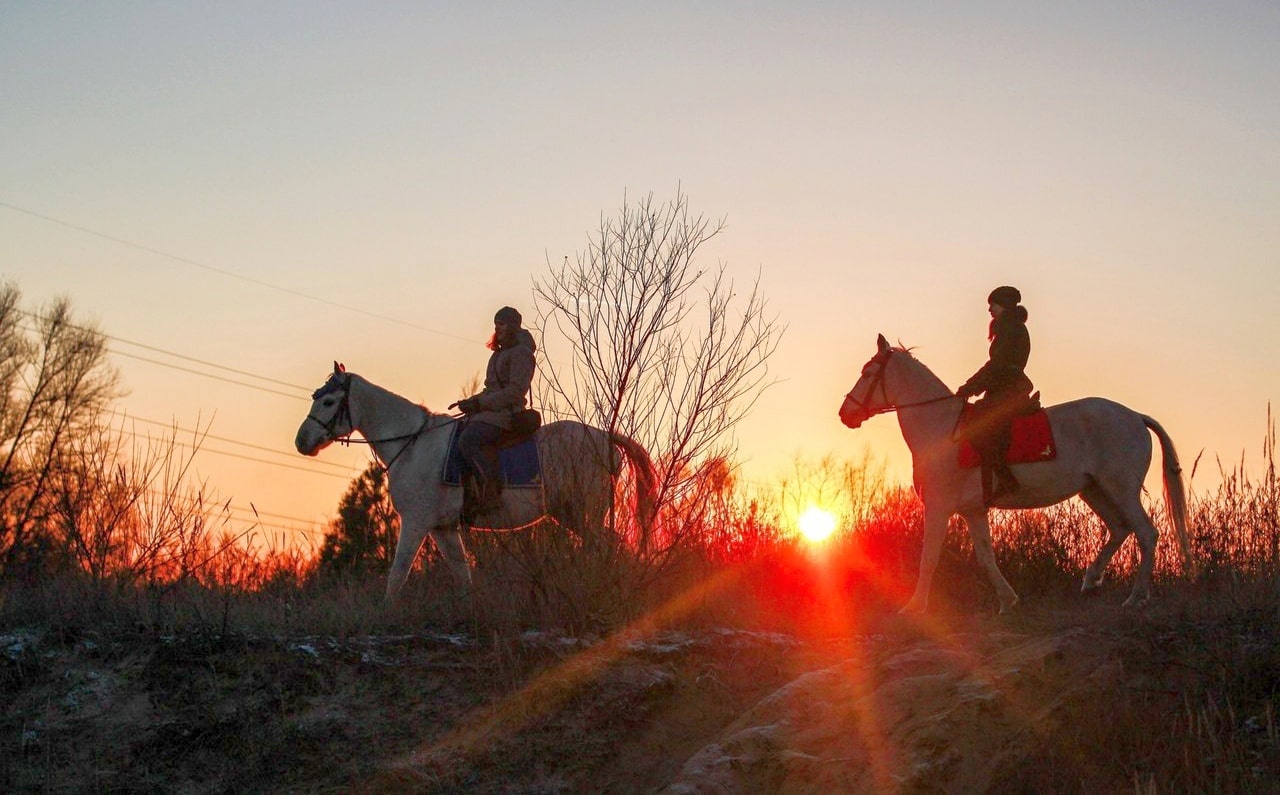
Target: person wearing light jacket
507 381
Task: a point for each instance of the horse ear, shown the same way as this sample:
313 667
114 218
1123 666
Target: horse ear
338 367
882 343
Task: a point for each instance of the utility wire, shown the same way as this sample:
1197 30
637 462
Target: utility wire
241 277
228 273
177 355
279 464
203 435
259 512
230 511
210 375
275 463
202 361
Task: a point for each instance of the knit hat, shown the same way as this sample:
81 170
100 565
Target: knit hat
507 315
1005 296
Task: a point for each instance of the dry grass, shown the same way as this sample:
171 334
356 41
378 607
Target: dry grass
225 588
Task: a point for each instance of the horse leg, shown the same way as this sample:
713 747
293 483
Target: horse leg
935 532
449 542
411 536
1147 536
1117 531
980 532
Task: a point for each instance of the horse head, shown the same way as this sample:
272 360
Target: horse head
330 414
869 396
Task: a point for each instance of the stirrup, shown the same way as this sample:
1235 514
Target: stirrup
488 503
485 499
1004 482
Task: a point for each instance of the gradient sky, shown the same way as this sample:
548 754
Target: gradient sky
880 166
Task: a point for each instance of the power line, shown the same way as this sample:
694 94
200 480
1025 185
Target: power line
210 375
313 529
202 361
274 463
227 273
218 378
228 510
241 277
257 512
176 355
204 435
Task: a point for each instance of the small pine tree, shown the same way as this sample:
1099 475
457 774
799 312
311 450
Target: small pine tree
363 537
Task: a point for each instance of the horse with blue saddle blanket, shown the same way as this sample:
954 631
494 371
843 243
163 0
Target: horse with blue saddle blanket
578 465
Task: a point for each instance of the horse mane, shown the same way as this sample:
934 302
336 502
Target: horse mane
907 351
433 415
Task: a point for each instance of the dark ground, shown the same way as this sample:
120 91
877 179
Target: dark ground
1090 699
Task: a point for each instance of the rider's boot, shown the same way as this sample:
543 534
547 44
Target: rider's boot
490 497
1005 482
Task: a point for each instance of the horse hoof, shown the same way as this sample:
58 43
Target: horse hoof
1135 602
912 609
1008 607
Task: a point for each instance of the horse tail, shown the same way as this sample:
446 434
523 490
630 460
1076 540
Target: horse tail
1175 494
646 483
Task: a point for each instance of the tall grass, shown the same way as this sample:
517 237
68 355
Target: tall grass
135 549
135 543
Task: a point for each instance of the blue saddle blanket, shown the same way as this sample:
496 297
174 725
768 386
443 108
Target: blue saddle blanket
521 466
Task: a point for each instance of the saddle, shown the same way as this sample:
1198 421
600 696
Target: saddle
517 453
524 423
1031 440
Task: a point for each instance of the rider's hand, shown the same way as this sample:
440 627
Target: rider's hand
469 405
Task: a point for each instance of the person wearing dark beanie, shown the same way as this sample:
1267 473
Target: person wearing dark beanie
1007 389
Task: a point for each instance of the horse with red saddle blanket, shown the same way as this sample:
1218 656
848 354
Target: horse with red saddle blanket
1097 449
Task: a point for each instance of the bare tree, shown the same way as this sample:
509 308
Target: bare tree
637 338
125 507
55 384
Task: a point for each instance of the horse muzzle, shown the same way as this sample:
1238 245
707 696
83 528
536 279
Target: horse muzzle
852 415
309 441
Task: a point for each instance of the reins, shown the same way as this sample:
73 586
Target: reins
889 406
412 438
925 402
344 409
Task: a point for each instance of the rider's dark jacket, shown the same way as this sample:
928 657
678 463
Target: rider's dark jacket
507 381
1004 373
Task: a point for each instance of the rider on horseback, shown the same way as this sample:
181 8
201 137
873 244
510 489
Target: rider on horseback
1007 388
489 412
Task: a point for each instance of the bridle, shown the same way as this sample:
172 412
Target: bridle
336 384
877 380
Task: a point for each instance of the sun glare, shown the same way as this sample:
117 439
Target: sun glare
816 524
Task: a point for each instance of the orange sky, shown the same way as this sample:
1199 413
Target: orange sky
196 178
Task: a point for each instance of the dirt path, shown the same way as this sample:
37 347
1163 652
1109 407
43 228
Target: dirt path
1050 703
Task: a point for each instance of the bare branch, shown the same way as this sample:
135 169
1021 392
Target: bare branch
641 340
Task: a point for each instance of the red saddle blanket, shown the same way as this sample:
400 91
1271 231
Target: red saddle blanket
1032 441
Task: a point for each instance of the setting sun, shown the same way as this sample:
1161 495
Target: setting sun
816 524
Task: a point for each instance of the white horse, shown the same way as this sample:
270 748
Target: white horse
579 465
1103 453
